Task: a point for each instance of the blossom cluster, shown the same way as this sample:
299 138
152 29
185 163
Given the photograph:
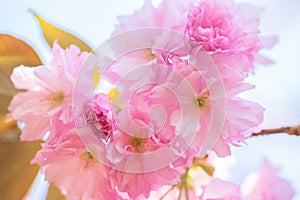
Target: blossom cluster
168 105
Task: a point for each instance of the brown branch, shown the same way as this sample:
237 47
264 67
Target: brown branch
291 130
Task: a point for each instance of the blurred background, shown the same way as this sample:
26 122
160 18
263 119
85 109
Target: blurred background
277 86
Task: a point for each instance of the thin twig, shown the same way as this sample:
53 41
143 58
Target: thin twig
291 130
169 190
186 192
180 192
186 184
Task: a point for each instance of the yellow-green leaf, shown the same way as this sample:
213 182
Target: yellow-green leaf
202 163
208 169
16 172
64 39
114 96
96 77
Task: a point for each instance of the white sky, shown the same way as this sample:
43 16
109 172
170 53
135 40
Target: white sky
278 86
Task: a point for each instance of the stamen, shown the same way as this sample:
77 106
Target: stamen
56 98
203 101
138 144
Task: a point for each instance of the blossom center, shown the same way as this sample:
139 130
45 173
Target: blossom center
98 123
150 55
89 158
138 144
59 97
56 98
203 101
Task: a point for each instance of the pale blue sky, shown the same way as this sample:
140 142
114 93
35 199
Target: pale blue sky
278 86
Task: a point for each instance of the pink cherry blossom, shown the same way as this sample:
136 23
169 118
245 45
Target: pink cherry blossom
48 92
171 106
151 106
138 161
184 93
268 185
198 185
138 112
219 189
163 16
75 171
139 185
227 85
133 171
229 32
242 117
99 116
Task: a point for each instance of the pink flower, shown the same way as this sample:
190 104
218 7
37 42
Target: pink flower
214 96
48 92
229 32
198 185
184 98
99 117
75 171
267 185
242 117
219 189
137 164
139 185
164 16
139 153
192 181
147 24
